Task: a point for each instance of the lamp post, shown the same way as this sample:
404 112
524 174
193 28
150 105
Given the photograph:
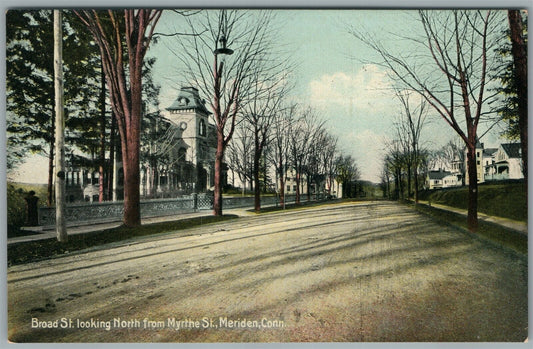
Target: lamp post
220 122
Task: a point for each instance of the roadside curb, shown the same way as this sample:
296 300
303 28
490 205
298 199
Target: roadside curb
517 226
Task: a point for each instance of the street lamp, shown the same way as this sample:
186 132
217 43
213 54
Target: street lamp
223 50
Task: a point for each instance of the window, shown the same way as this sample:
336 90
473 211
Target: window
293 188
288 188
202 129
478 162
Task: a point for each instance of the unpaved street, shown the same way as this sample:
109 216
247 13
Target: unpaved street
371 271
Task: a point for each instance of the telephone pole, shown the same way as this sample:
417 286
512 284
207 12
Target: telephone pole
59 129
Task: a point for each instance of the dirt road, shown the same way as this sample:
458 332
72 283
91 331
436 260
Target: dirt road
348 272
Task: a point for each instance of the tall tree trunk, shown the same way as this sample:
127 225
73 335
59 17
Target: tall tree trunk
50 187
415 174
257 156
308 183
281 181
520 69
101 159
297 193
219 155
472 219
130 155
257 185
397 180
110 169
408 181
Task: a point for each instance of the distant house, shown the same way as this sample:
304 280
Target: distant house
506 163
487 162
443 179
495 164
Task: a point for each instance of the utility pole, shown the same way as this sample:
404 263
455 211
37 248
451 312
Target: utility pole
59 129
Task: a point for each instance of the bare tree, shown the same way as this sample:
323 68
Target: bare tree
385 179
327 157
301 133
123 38
347 172
449 68
226 80
447 155
395 160
414 118
239 154
267 92
281 126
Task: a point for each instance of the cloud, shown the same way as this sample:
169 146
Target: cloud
367 147
366 91
360 110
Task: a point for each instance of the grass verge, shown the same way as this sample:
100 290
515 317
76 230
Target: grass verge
489 231
31 251
507 200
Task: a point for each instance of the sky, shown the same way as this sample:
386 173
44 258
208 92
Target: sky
335 75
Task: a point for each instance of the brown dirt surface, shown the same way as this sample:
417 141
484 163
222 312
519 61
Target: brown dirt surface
351 272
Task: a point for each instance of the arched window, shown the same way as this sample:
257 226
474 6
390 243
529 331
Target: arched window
202 128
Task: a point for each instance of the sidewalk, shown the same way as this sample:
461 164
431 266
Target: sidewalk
83 229
505 222
243 211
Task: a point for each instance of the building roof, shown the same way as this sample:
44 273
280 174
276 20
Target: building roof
438 174
512 149
189 98
489 151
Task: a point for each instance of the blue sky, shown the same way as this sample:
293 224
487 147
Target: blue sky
330 77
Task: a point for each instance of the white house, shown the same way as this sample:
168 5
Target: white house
506 163
493 164
442 179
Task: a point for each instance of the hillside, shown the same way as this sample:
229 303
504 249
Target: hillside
503 200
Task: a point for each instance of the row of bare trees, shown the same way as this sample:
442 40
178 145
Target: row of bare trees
405 157
234 59
291 141
452 66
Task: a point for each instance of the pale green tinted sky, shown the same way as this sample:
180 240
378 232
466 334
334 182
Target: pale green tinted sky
331 77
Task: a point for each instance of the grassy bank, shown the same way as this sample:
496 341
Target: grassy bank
25 252
493 232
501 200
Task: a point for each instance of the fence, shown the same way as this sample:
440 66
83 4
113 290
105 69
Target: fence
107 212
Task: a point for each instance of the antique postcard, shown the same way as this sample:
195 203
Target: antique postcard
266 175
